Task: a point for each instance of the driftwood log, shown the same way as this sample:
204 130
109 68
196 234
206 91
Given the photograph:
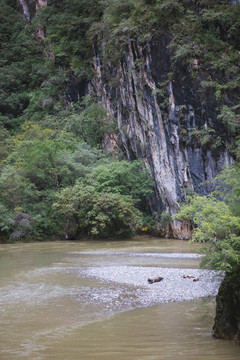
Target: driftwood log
157 279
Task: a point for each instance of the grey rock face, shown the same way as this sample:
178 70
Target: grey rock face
30 7
155 116
25 9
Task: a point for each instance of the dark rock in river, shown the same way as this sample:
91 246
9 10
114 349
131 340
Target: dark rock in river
158 279
227 320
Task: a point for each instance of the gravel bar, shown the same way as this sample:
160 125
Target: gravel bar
177 284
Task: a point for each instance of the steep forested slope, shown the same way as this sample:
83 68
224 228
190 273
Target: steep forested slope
161 79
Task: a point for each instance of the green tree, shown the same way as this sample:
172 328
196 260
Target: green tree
123 177
37 156
91 123
228 188
6 144
45 162
6 218
15 189
97 214
217 228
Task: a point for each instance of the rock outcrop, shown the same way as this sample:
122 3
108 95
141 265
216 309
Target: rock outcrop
157 111
30 7
227 320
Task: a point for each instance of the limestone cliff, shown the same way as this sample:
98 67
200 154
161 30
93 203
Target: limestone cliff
157 111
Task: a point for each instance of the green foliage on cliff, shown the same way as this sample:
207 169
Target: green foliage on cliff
27 76
201 35
123 177
217 221
66 24
91 122
39 59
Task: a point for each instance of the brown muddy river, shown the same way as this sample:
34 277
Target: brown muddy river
91 300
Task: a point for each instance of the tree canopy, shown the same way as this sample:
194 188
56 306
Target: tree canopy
54 184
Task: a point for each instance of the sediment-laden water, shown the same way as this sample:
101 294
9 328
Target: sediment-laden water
92 300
